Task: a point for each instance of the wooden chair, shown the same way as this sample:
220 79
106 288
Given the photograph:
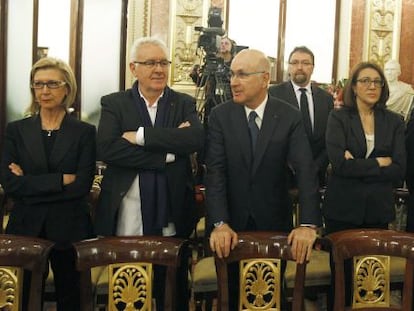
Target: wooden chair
130 263
370 250
19 253
259 255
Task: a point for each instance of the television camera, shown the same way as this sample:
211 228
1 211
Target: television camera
212 77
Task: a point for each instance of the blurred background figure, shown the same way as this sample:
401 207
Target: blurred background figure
227 50
401 93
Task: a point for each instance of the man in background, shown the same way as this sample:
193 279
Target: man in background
314 103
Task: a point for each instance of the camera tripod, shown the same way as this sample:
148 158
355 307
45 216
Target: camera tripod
213 89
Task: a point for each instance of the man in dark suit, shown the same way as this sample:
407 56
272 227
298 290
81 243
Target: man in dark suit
246 177
146 135
320 103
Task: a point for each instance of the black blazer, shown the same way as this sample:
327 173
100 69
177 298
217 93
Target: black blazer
323 104
124 160
240 185
42 205
359 191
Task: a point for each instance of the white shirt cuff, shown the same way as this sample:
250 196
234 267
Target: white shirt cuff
170 158
140 136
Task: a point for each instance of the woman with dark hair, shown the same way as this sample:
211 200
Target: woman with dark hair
365 145
366 148
47 168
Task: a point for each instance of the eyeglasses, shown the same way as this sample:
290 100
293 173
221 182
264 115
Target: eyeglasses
304 63
52 84
152 63
378 83
243 75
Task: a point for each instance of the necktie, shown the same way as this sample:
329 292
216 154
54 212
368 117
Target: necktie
304 108
253 128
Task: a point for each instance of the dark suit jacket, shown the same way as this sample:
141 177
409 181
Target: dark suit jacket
410 172
359 190
323 104
240 185
124 160
42 205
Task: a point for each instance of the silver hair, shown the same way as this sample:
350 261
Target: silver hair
138 43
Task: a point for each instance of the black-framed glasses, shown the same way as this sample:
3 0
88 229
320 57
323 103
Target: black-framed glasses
153 63
378 83
243 75
52 84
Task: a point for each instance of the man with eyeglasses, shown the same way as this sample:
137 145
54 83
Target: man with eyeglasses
146 135
250 139
314 103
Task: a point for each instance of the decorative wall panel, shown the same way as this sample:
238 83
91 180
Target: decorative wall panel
138 25
383 31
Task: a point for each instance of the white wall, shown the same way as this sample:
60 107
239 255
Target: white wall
100 54
19 57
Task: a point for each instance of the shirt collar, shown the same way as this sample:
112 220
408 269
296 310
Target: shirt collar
259 110
297 87
146 101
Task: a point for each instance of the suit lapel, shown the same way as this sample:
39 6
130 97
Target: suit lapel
318 112
380 128
62 145
291 96
267 129
32 139
358 132
241 130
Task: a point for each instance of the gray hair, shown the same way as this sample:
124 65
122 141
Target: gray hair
138 43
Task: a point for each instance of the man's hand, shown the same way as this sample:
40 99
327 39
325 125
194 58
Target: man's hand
222 240
68 179
348 155
184 124
16 169
302 239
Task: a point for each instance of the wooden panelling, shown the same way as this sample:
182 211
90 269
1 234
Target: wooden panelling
357 32
407 42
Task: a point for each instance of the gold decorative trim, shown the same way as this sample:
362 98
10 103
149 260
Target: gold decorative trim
11 284
371 281
185 16
260 284
130 286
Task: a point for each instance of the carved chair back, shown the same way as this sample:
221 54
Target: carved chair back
370 251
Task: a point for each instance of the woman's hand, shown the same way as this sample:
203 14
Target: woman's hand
16 169
384 161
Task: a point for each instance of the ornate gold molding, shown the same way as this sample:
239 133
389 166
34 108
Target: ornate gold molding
185 16
130 285
383 30
11 284
371 281
260 284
